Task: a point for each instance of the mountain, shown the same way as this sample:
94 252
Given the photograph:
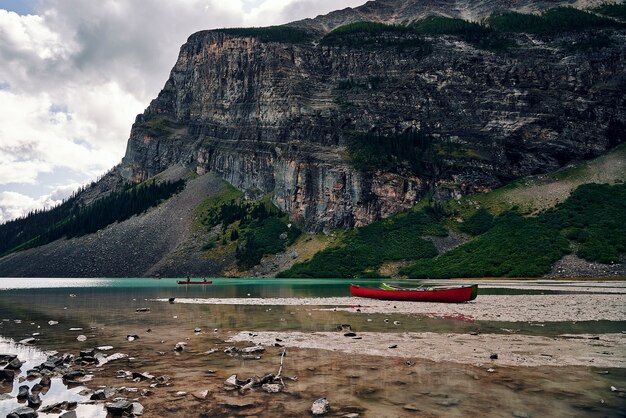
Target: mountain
340 121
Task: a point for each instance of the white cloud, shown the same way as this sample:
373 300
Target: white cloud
74 76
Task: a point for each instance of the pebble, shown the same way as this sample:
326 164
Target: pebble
81 338
320 407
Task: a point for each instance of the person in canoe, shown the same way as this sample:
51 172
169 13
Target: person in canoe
188 279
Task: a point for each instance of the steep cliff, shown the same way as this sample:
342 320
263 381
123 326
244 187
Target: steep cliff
278 117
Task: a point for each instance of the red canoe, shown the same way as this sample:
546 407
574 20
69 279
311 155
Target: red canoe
449 295
186 282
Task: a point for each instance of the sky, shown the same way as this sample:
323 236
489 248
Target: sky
75 73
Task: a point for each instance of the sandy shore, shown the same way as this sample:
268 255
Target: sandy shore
508 308
604 350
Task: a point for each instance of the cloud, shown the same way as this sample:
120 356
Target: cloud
75 74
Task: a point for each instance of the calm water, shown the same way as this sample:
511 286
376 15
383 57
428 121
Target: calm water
104 310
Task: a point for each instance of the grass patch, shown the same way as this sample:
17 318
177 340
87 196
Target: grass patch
283 34
362 251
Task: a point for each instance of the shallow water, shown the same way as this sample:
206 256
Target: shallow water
104 310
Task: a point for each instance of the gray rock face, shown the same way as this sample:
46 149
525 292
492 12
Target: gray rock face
274 117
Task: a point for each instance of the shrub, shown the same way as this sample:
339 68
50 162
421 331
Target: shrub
480 222
560 19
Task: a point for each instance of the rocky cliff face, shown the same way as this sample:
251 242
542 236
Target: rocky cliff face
276 118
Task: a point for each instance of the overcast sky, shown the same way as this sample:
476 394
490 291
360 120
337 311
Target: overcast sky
75 73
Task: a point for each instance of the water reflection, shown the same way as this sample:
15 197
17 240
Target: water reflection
57 392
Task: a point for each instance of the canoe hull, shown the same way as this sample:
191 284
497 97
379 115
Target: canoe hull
453 295
474 287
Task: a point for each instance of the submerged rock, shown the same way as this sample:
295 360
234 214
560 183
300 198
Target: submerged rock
7 375
14 364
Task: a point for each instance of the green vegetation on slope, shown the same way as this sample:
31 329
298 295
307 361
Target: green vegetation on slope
411 149
284 34
478 34
617 11
594 218
376 35
257 228
559 19
71 220
362 251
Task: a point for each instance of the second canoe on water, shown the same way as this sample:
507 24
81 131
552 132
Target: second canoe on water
457 294
190 282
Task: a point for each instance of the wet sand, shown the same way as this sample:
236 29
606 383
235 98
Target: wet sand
509 308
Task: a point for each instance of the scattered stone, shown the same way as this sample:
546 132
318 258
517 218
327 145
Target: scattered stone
409 407
14 364
393 346
34 401
23 412
146 392
27 340
137 409
349 334
474 333
142 310
201 394
74 375
105 347
98 395
81 338
119 407
171 300
23 392
448 402
271 387
69 414
87 352
142 376
53 322
320 407
132 337
59 407
254 349
232 381
7 375
180 346
180 393
490 370
493 356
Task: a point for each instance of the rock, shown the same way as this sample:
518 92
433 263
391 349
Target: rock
271 387
490 370
23 392
119 407
69 414
142 310
105 347
474 333
349 334
180 393
320 407
232 381
180 346
393 346
87 353
7 358
59 407
142 376
493 356
410 407
171 300
81 338
448 402
45 381
132 337
27 340
251 350
23 412
197 330
137 409
53 322
34 401
7 375
98 395
74 375
200 394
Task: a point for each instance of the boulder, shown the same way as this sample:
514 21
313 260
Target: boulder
23 392
14 364
7 375
119 407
